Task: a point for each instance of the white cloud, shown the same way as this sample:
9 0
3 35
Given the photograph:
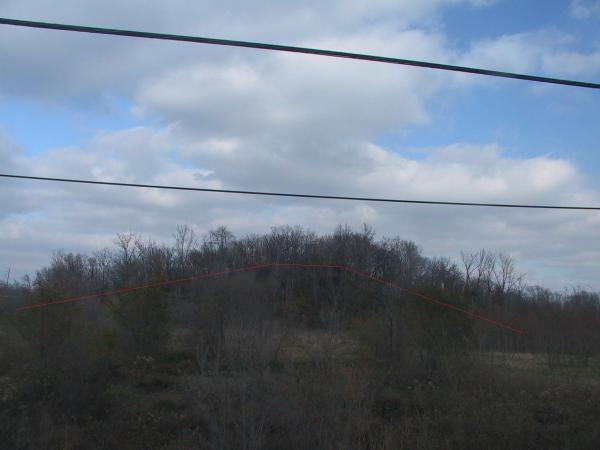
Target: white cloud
287 94
256 120
559 246
546 51
572 62
585 9
63 66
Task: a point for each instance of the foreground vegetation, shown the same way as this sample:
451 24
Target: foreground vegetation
294 358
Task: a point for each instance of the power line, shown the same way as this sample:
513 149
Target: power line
294 49
275 265
312 196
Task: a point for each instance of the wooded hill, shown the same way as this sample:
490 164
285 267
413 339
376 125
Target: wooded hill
294 357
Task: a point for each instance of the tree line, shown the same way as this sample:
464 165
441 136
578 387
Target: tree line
66 357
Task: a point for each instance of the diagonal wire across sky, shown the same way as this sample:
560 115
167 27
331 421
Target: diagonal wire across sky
292 195
295 49
303 50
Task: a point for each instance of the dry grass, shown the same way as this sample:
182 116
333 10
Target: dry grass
310 345
528 361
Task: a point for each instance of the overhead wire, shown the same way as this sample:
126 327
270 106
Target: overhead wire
310 51
295 195
295 49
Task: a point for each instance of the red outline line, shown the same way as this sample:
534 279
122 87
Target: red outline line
286 265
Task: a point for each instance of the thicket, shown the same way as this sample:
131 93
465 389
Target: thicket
289 358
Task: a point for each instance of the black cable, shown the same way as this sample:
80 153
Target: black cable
281 194
293 49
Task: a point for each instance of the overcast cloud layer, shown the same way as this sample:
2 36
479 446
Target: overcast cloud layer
227 118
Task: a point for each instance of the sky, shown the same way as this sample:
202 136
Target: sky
133 110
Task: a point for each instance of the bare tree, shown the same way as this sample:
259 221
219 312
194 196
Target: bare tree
505 275
485 264
185 243
126 244
126 255
469 261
